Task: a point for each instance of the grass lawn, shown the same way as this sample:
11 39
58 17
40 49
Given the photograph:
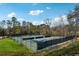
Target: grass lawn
10 47
67 51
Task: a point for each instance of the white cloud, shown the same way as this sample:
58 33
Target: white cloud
65 19
57 21
37 22
48 8
12 15
36 12
20 19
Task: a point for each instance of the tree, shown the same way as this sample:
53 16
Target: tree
24 27
28 26
48 25
9 25
3 26
18 28
14 20
71 24
61 24
73 19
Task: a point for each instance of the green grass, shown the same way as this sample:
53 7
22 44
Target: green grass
10 47
67 51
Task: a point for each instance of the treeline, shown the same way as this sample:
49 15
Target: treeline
14 27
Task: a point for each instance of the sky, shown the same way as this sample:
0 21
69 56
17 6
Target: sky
35 12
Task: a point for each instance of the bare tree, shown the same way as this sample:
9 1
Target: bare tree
61 24
48 23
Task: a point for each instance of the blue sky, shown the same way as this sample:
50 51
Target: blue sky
34 12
